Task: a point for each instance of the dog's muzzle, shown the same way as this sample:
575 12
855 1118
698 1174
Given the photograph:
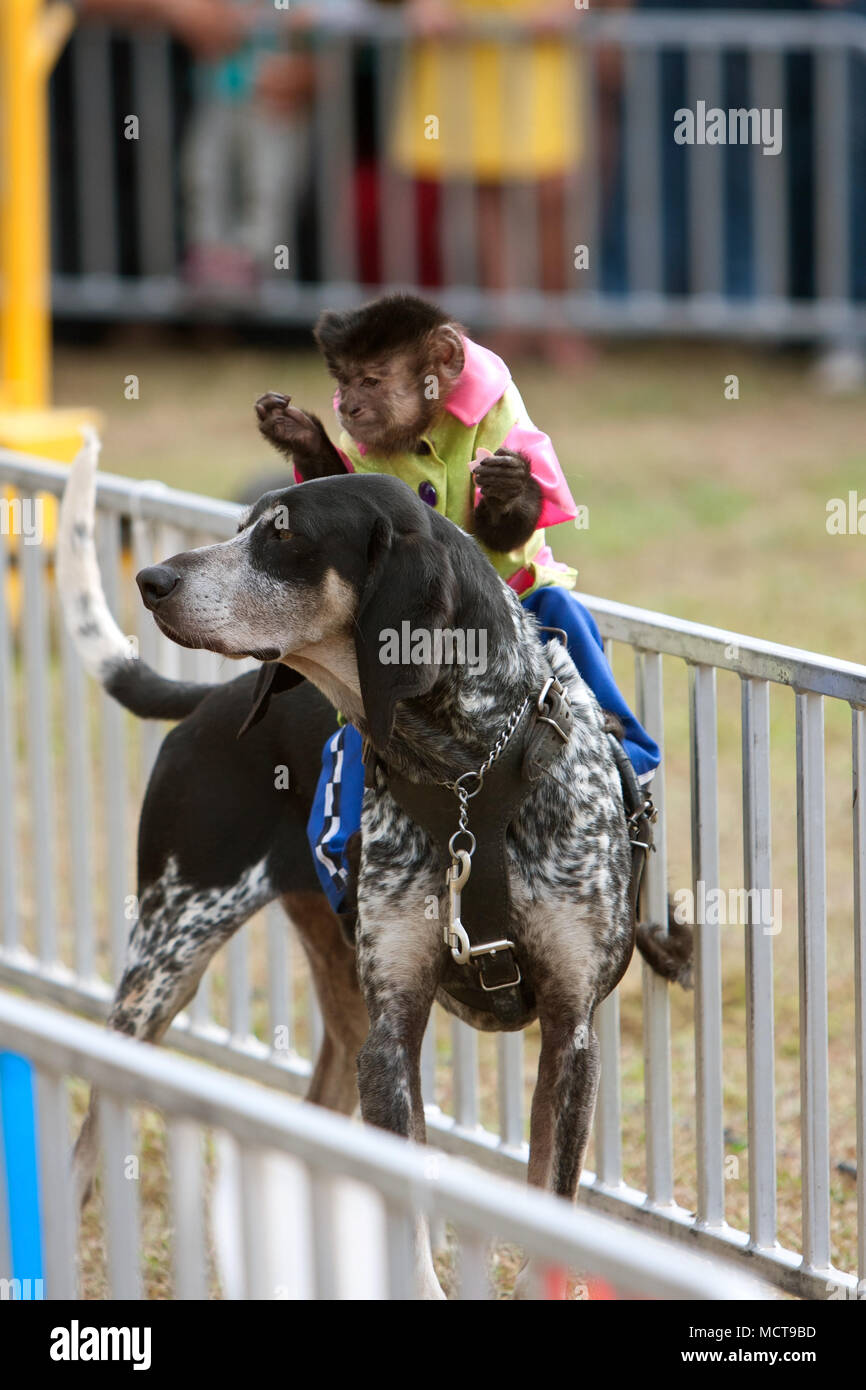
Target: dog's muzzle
156 583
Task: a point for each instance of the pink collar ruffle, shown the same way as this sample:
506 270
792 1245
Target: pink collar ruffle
481 384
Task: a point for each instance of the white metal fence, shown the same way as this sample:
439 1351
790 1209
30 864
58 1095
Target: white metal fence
702 239
344 1212
66 876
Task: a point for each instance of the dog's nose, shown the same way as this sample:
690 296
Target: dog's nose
156 583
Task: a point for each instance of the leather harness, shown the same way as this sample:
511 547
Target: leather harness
485 975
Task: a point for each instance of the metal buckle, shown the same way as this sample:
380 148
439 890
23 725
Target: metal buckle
490 950
543 719
541 706
506 984
541 703
646 812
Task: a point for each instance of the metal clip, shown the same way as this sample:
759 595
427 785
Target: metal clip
544 716
541 703
455 934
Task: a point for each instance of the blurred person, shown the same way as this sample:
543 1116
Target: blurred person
245 152
211 28
246 147
497 115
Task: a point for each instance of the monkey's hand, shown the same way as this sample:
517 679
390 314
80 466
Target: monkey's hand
301 437
510 502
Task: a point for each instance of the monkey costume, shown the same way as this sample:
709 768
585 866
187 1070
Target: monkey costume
484 411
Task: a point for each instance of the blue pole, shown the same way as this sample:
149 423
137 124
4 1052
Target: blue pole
21 1166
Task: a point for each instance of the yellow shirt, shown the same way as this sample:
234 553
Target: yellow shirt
489 111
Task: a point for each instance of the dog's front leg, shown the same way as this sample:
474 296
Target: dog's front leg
563 1105
399 962
562 1111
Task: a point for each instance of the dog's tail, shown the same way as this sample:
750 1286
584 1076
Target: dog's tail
98 640
669 953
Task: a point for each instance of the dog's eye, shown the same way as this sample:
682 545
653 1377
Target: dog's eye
282 533
370 381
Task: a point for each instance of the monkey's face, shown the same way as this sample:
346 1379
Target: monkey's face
387 404
395 363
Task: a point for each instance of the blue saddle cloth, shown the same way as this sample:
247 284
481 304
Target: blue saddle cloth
336 812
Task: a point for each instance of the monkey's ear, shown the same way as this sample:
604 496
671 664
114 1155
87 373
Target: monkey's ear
409 579
272 678
447 350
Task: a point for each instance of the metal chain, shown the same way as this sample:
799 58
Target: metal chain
495 753
463 793
461 859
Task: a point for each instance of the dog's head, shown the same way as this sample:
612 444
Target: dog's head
313 579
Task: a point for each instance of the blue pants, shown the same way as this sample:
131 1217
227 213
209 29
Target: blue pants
336 812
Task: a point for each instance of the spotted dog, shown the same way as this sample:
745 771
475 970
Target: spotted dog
315 575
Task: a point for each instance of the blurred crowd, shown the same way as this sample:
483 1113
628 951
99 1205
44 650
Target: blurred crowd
506 117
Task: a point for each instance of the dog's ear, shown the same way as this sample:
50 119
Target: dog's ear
410 579
272 678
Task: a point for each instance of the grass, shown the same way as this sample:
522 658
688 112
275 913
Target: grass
699 506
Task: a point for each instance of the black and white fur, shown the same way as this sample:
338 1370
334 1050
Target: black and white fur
362 554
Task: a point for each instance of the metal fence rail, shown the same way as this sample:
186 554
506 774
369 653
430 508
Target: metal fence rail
66 878
401 1179
699 240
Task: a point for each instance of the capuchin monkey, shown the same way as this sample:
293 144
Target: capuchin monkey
395 363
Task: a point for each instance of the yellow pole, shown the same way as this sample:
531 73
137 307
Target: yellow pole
31 37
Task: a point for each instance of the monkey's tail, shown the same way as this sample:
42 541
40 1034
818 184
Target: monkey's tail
669 953
103 648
